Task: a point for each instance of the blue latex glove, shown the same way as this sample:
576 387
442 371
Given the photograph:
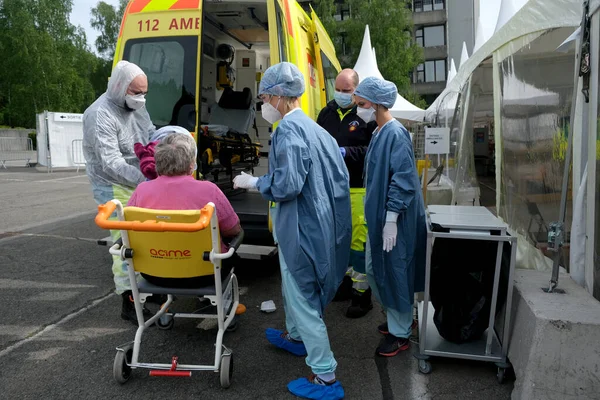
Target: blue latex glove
343 151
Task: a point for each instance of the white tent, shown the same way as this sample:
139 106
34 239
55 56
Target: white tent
366 65
464 56
486 23
525 25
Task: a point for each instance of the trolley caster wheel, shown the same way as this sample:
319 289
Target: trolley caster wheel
226 371
165 322
122 371
501 375
424 367
233 325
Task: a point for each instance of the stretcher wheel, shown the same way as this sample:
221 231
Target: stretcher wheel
424 367
165 322
501 375
226 370
122 371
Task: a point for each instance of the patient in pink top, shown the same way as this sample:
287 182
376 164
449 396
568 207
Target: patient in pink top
176 189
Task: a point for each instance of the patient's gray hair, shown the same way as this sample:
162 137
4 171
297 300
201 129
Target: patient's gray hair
175 154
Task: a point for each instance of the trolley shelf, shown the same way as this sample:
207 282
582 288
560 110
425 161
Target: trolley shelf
439 347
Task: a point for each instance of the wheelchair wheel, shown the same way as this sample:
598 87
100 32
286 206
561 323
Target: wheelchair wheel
165 322
122 371
226 371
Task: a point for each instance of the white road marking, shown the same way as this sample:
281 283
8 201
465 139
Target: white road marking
20 284
49 328
62 179
45 354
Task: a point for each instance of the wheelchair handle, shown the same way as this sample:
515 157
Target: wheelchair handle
237 240
105 210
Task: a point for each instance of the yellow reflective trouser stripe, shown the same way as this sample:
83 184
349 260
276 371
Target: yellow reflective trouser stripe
359 281
119 268
359 225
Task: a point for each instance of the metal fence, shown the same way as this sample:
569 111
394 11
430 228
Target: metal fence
16 149
77 157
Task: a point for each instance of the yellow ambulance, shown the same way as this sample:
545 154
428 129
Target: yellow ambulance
195 53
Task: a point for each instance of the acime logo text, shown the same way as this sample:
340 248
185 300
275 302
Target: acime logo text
164 253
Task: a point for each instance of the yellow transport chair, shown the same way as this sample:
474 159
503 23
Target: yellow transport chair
173 244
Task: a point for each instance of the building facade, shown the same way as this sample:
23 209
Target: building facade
441 27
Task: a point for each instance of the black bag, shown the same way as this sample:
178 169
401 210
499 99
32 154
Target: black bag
462 281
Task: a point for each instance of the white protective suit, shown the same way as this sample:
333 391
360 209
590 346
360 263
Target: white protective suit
109 131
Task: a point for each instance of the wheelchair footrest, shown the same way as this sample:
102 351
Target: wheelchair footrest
172 372
160 372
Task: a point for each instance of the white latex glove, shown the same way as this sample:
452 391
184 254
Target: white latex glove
245 181
390 231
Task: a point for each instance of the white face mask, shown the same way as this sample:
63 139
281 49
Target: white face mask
270 113
366 114
135 102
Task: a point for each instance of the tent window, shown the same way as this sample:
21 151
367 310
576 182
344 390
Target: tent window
427 5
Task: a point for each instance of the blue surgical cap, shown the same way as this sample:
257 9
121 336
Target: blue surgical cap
283 79
377 91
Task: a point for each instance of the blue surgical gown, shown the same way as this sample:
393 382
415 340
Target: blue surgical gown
393 185
309 181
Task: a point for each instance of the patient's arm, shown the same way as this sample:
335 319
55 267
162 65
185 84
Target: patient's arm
232 232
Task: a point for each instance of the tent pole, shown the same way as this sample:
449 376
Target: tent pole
556 229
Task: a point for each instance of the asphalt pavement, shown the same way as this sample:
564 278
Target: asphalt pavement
62 324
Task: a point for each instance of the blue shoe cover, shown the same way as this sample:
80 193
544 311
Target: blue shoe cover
277 338
307 390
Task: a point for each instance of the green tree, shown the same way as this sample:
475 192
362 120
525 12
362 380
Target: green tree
45 64
391 27
107 20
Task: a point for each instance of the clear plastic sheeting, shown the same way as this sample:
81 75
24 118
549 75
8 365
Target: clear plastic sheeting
466 188
536 99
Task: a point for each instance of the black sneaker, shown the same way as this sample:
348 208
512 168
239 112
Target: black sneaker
344 292
361 304
128 309
391 345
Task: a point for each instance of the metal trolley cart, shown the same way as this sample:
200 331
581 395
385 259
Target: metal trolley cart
474 224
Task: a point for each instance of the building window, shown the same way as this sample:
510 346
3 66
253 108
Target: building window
342 12
428 5
431 36
419 37
430 71
420 73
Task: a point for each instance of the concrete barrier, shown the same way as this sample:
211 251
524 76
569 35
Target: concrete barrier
555 344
